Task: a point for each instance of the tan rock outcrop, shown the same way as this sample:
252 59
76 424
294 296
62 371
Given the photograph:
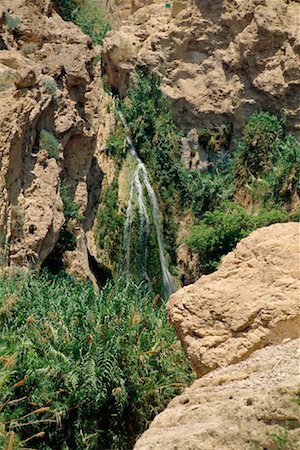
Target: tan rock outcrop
247 406
219 61
251 301
47 82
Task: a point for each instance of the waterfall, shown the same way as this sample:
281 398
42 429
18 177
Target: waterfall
140 177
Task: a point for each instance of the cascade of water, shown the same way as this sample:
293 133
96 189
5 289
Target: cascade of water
144 218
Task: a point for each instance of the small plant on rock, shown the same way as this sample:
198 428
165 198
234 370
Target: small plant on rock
13 23
47 141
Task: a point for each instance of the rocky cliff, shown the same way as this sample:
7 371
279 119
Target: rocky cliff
242 325
219 61
53 120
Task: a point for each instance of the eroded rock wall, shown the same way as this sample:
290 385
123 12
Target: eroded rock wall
219 61
48 81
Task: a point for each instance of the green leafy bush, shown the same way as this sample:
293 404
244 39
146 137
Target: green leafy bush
47 141
80 370
220 230
70 207
216 139
209 189
262 136
115 145
267 163
87 15
109 231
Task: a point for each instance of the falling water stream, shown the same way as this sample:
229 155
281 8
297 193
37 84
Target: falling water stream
140 178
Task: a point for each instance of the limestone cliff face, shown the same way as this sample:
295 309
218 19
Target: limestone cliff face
47 82
219 61
240 329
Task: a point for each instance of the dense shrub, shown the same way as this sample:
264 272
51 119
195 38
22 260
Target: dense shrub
115 145
262 137
80 370
220 230
216 140
209 189
155 135
47 141
109 229
87 15
267 162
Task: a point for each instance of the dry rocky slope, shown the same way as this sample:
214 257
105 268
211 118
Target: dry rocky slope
47 81
241 324
219 60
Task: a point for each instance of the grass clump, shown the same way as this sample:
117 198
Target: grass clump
80 370
13 23
47 141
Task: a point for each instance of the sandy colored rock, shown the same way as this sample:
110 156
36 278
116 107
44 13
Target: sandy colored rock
47 82
247 406
219 61
251 301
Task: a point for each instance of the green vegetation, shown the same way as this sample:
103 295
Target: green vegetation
267 161
156 137
215 140
262 137
219 231
51 86
262 172
209 189
13 23
70 207
110 220
80 370
265 169
47 141
116 146
67 236
157 140
88 15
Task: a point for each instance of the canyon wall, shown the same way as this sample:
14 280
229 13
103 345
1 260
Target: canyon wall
49 86
219 61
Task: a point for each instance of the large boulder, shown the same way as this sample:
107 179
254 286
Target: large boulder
251 405
241 324
251 301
